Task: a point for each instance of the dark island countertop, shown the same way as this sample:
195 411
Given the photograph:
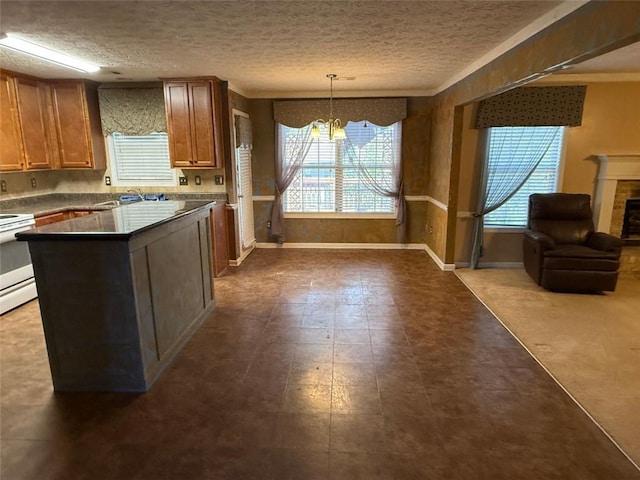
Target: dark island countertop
119 223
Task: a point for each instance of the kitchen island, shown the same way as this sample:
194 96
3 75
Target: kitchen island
121 291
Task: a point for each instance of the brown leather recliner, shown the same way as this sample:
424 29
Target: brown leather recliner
560 248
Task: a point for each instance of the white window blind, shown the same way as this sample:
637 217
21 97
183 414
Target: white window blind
329 180
544 178
247 231
141 160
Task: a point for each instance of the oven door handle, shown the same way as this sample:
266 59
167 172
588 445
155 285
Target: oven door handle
10 235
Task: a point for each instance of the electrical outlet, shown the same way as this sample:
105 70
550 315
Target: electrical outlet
198 180
219 179
3 186
107 181
34 183
268 224
183 180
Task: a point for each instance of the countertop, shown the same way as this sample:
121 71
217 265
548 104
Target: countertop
40 205
116 223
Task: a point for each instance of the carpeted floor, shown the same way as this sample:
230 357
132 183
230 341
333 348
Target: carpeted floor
589 343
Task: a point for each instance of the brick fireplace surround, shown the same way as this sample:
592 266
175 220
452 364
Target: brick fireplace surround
618 179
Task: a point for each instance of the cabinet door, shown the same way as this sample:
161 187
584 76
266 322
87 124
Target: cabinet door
220 128
176 97
32 111
72 125
79 213
11 156
51 218
201 120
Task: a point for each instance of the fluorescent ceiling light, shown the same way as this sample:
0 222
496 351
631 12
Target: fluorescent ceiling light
43 53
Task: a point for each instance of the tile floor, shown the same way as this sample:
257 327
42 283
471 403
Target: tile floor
315 365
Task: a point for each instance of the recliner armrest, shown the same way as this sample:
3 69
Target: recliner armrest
542 239
604 242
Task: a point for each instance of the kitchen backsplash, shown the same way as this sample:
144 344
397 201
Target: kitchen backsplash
25 184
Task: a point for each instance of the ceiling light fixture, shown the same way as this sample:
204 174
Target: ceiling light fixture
43 53
336 132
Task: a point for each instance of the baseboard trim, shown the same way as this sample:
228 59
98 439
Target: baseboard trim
491 265
346 246
238 261
446 267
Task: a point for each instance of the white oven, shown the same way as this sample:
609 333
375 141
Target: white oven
17 284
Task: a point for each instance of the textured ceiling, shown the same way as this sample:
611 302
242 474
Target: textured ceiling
271 48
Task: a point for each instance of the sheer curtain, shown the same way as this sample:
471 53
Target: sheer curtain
355 148
287 165
499 185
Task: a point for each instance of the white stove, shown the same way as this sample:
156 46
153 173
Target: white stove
17 284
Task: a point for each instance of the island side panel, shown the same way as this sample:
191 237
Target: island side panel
176 284
206 259
181 285
88 312
146 322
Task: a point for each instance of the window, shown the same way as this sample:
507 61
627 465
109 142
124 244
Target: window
330 179
507 143
140 160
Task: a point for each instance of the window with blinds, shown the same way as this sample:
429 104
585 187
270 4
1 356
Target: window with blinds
544 178
140 160
330 181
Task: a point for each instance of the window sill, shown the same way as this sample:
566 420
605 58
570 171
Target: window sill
505 229
345 216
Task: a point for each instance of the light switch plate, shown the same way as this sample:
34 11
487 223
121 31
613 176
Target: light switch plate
198 180
107 180
219 179
183 180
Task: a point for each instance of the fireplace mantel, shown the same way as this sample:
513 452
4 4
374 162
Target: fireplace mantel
611 169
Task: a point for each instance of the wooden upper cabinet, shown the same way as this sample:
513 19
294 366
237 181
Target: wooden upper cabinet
176 97
77 124
201 118
34 123
11 153
193 123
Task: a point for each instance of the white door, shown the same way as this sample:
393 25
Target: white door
245 193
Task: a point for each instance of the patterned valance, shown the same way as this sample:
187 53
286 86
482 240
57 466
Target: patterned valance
381 111
533 107
132 111
244 131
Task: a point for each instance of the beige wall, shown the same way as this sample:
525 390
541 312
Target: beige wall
78 181
611 25
415 141
610 124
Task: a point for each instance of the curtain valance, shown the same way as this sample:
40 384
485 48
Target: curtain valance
244 131
533 107
381 111
132 111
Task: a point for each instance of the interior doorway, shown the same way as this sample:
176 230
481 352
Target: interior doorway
244 185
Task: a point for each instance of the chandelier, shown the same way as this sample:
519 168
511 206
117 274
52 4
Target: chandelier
334 125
